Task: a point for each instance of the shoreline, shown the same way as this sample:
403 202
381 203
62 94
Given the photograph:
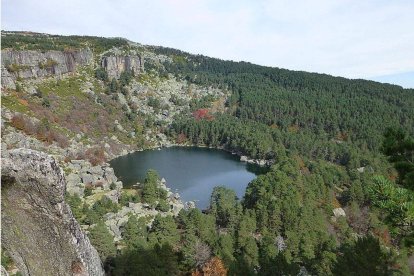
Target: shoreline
243 158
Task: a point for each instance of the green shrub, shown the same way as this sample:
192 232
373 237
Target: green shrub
101 74
48 64
14 68
102 240
104 205
163 206
127 197
46 102
18 87
99 209
126 77
75 204
6 260
112 186
88 190
154 102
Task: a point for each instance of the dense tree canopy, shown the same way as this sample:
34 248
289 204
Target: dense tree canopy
325 136
400 149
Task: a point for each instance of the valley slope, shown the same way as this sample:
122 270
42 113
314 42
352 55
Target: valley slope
85 100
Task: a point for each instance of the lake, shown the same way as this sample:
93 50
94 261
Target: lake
192 172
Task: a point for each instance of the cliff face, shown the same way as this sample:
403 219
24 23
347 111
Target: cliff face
115 65
38 228
35 64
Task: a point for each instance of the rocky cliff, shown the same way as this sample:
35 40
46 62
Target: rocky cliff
38 228
36 64
114 65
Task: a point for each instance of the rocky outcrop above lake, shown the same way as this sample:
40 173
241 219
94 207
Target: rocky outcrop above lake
259 162
115 221
36 64
114 65
81 173
38 229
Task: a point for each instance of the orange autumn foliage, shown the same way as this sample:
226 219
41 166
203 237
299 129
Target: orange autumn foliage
181 138
23 102
214 267
202 113
384 235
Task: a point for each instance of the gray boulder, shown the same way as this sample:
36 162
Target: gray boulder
95 170
73 178
339 212
243 158
113 195
88 178
109 174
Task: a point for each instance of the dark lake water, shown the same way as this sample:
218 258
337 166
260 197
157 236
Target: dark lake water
191 171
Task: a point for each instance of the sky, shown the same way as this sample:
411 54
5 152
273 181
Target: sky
370 39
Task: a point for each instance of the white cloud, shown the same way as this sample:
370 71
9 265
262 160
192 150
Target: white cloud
351 38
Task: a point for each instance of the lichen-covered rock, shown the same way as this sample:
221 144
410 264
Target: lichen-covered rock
243 158
339 212
83 173
190 205
361 169
7 79
38 228
88 178
114 65
35 64
113 196
3 271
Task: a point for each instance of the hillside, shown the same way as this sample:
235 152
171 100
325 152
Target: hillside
336 187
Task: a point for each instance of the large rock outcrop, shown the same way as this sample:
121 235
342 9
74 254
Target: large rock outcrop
114 65
36 64
3 271
38 228
82 173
